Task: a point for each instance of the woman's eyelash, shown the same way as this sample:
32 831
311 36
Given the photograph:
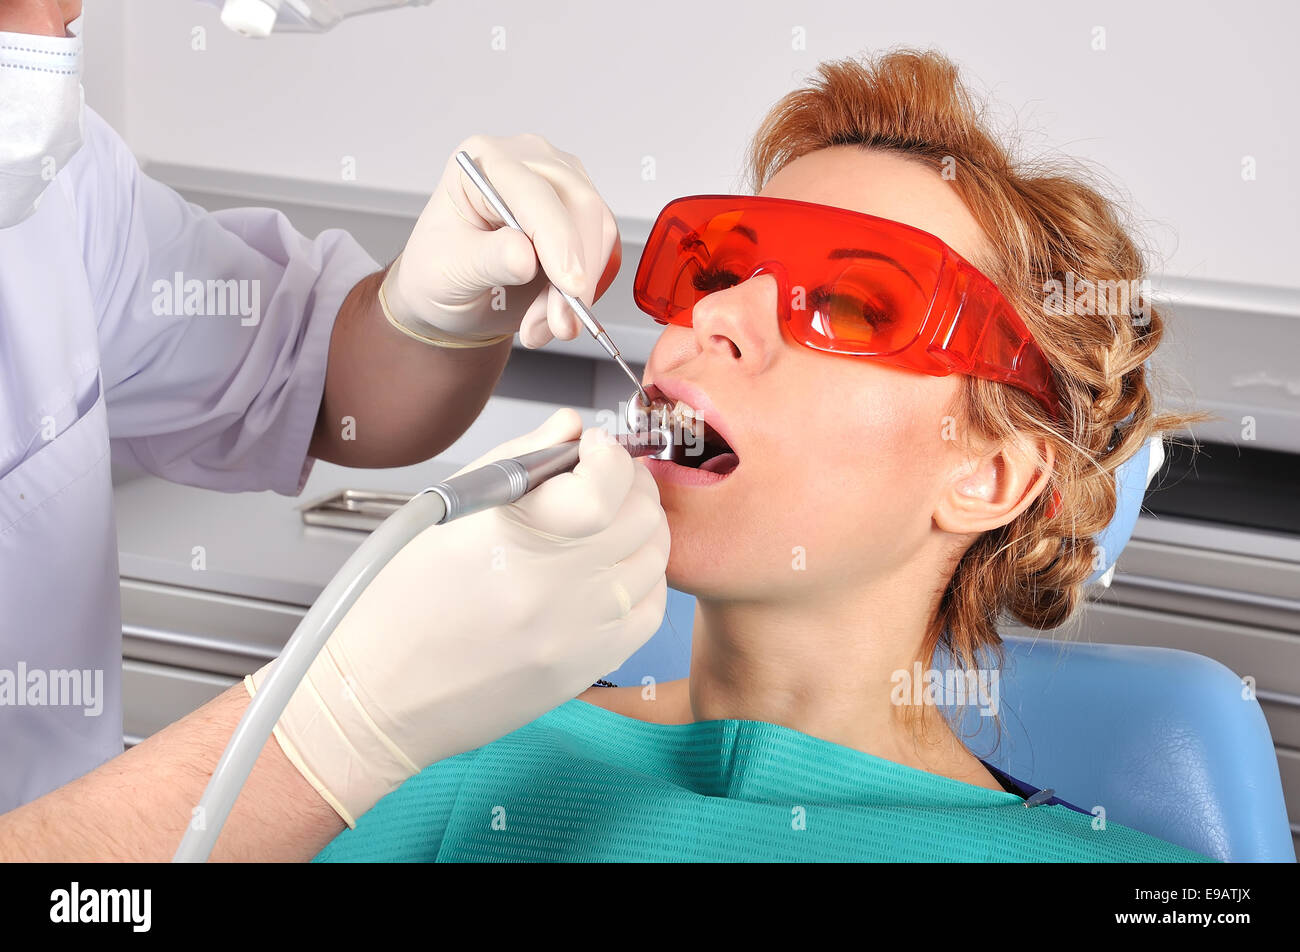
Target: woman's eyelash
715 279
873 312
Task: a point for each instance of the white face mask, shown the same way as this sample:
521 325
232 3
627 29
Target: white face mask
41 115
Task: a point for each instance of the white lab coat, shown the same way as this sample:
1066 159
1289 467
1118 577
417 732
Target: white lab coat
93 368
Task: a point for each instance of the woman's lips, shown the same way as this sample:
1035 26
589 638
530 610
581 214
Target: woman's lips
670 472
674 389
711 471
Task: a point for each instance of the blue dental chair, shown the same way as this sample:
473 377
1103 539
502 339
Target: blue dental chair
1162 739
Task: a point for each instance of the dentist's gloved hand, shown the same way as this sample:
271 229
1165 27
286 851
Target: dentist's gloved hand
465 278
477 627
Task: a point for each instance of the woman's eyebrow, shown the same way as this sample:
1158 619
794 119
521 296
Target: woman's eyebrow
745 232
838 253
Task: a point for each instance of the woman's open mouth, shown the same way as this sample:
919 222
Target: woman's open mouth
708 451
702 453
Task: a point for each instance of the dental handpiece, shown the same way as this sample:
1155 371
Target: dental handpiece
470 168
503 481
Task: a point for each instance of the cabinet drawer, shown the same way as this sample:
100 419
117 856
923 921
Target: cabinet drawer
1288 762
1225 586
1283 722
206 631
155 695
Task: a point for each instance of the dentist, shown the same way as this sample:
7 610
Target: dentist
224 350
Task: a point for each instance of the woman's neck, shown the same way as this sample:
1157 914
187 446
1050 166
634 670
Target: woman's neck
828 667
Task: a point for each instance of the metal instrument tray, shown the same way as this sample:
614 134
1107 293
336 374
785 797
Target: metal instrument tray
358 509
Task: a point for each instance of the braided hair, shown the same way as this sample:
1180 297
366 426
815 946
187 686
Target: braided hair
1064 259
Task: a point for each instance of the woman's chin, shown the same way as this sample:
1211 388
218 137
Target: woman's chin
688 571
708 549
704 565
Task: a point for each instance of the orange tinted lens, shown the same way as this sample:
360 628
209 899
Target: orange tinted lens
854 288
692 252
862 305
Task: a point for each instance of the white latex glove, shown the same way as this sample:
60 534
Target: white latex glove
481 625
466 277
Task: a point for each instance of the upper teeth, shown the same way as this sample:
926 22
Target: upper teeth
680 415
682 411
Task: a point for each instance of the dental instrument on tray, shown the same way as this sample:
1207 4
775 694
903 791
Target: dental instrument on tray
589 321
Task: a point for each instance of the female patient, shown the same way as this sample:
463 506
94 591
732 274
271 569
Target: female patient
863 502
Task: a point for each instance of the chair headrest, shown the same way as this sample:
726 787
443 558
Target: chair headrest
1131 481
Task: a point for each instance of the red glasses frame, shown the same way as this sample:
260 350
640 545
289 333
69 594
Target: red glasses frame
913 301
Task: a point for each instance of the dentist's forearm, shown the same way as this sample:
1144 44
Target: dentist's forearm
391 400
136 807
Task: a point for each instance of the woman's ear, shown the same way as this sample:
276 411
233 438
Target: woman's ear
987 491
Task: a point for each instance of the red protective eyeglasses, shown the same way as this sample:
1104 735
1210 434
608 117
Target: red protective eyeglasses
848 283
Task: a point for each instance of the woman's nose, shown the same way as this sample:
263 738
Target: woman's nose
741 323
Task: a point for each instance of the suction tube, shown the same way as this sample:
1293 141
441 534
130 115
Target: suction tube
299 652
493 484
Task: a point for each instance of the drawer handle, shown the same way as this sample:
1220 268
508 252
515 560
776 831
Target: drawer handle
1277 697
1208 591
182 640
